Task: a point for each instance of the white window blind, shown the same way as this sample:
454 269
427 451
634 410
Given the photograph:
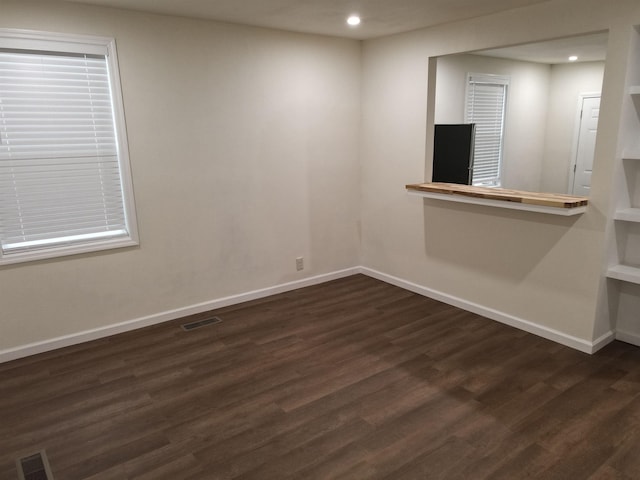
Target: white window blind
61 175
485 106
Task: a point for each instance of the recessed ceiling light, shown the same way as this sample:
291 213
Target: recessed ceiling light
573 58
353 20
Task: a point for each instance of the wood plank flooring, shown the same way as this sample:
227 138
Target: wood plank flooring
353 379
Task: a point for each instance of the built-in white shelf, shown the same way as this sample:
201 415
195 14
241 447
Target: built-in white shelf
628 214
623 292
625 273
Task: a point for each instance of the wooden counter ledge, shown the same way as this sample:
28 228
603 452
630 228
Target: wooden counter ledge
515 199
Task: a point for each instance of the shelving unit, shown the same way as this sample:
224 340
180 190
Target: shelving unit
628 215
625 273
624 251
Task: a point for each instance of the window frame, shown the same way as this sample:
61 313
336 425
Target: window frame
37 41
489 79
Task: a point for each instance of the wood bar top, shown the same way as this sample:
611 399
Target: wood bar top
506 195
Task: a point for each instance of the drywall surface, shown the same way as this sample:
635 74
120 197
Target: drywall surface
568 82
525 116
247 147
541 269
244 152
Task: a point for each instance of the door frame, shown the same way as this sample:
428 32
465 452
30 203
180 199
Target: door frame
576 137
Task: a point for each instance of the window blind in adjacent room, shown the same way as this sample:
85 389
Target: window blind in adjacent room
485 106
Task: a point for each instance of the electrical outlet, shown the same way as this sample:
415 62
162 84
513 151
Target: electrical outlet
300 263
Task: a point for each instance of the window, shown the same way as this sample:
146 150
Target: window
65 184
485 106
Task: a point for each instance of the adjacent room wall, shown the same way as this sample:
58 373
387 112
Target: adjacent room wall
526 114
244 152
541 113
537 269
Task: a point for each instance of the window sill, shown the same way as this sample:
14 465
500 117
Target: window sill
62 251
549 203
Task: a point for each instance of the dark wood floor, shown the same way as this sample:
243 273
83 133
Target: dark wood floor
353 379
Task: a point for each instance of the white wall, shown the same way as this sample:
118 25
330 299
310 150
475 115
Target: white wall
567 82
244 151
526 114
247 147
541 269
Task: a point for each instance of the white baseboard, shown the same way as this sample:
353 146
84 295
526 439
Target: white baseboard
520 323
628 337
603 341
527 326
88 335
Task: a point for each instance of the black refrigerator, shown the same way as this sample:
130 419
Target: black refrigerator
453 153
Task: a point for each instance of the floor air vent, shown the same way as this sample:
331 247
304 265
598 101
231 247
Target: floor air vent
200 323
34 467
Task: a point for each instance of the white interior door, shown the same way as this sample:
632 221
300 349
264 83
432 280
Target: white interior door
586 145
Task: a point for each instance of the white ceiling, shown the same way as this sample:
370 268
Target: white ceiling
327 17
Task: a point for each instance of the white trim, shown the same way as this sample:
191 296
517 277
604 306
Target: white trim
488 202
54 42
628 337
94 334
603 341
126 176
154 319
488 78
65 250
520 323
